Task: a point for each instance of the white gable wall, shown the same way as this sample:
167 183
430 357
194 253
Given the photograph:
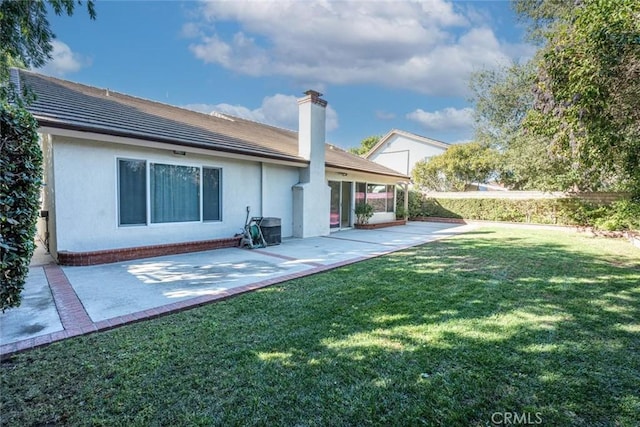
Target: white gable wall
401 153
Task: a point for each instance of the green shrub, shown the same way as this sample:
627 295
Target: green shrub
417 207
620 215
623 215
20 182
363 212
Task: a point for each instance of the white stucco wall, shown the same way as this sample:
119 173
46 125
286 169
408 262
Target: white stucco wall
277 199
82 198
401 153
86 196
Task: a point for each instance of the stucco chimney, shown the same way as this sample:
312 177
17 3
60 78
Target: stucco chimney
311 195
311 129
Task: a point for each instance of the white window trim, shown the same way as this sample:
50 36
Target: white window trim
366 184
148 163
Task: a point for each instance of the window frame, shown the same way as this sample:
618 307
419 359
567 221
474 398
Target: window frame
219 169
148 200
367 185
119 192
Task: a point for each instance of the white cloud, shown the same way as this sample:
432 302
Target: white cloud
429 46
64 60
385 115
277 110
448 119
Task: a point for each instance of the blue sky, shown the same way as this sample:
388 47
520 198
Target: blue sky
380 64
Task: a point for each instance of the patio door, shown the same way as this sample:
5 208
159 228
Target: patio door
340 212
345 209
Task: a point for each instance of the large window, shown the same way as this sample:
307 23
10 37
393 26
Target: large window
380 196
174 193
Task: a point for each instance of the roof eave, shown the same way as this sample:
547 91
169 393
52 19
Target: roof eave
339 167
48 122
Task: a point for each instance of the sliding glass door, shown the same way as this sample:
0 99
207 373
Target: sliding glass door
341 196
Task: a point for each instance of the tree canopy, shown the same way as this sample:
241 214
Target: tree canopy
570 118
586 94
25 34
456 168
365 145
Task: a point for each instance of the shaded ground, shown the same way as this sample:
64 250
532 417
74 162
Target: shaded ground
526 322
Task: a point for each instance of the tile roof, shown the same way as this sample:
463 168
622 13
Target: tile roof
68 105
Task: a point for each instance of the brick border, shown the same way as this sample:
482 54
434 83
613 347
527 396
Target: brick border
377 225
128 254
70 309
77 322
495 223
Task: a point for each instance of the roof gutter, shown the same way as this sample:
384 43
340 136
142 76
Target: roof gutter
339 167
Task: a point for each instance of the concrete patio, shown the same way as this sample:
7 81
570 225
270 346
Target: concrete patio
62 302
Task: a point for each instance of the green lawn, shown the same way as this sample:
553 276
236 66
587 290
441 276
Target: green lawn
542 324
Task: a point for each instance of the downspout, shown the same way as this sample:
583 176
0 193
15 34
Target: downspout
262 189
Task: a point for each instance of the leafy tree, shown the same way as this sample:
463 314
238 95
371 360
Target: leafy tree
456 168
586 95
25 35
503 97
25 40
541 15
20 180
570 119
365 145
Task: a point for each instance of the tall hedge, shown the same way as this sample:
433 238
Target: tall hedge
20 183
621 215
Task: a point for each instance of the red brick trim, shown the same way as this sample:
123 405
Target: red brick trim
79 323
126 254
70 309
439 219
380 225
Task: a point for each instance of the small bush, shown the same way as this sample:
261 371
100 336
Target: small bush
417 207
623 215
363 212
20 182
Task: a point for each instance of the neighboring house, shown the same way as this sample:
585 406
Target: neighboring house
400 150
127 177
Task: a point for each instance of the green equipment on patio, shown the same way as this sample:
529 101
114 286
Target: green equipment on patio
252 236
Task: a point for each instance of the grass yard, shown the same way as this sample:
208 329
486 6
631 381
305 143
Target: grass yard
493 326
